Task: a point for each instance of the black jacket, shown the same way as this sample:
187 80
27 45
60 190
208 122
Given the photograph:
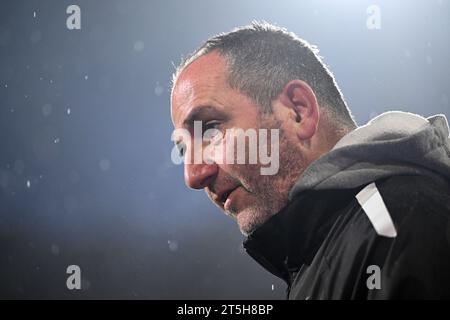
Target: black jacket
323 243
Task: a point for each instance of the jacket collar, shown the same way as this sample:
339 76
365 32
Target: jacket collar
292 237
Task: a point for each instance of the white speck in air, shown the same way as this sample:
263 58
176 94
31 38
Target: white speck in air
28 183
47 110
86 77
159 89
173 245
104 164
68 110
34 14
56 140
139 46
55 249
273 287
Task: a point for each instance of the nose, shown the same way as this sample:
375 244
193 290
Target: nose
198 176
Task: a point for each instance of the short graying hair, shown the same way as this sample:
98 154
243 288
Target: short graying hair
262 58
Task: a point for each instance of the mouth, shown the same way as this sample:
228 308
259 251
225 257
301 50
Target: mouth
224 196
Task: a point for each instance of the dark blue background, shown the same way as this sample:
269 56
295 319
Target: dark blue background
95 186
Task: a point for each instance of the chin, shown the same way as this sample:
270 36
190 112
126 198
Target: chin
250 219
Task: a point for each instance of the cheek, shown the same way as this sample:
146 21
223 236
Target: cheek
248 175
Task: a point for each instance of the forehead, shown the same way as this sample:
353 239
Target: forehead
203 82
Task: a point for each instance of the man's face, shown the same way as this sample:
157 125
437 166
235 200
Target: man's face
202 94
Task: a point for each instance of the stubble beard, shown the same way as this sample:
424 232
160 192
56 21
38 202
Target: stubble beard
271 192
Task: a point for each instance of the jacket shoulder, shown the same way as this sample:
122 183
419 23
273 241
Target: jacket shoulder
423 197
417 260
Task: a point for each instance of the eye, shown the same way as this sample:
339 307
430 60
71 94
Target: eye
213 124
181 146
211 130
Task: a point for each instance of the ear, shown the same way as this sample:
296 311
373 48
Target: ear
301 101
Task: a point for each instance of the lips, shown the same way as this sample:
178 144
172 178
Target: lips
224 196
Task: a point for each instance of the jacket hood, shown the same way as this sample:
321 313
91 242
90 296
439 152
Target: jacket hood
393 143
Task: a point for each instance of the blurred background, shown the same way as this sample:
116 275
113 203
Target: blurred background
86 176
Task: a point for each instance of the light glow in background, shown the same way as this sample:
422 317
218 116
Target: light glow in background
86 176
